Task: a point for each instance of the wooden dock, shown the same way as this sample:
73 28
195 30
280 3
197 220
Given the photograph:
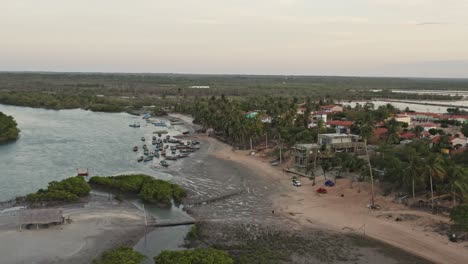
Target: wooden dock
166 223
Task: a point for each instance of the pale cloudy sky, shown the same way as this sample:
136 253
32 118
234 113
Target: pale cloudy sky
328 37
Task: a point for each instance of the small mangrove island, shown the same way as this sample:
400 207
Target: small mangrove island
148 188
8 128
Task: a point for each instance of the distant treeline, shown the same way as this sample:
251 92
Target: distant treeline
338 88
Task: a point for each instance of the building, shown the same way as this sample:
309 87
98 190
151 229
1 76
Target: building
332 108
305 155
199 87
337 142
340 126
304 158
403 119
429 126
40 217
319 115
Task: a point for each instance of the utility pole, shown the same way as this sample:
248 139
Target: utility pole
266 140
281 146
371 175
251 147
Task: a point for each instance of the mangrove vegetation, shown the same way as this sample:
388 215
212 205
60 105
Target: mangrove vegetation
8 128
148 188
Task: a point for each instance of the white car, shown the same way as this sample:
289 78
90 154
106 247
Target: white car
296 183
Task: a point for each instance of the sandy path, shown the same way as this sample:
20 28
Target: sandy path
349 213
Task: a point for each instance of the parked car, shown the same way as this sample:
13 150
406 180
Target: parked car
296 183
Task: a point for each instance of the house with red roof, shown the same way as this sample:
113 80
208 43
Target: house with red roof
381 133
407 135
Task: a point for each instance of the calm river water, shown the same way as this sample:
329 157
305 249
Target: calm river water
53 144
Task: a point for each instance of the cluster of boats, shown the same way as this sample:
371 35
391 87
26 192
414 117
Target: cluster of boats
177 148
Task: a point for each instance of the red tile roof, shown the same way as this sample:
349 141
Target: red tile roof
327 106
408 135
340 123
380 132
321 113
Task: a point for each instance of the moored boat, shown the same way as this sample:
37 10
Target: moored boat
143 139
82 172
135 148
139 159
164 163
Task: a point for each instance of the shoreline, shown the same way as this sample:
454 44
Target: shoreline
349 215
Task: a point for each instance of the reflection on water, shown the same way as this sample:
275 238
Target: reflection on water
162 238
53 144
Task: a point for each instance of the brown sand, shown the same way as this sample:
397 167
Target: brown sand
349 213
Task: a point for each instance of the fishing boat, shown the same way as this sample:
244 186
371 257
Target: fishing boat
135 148
156 154
159 124
154 137
148 158
143 139
164 163
82 172
163 153
173 152
140 159
186 132
153 142
183 155
135 125
168 137
146 152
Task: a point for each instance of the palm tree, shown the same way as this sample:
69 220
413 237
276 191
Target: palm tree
457 178
414 168
433 167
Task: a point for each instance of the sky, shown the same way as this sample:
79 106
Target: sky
417 38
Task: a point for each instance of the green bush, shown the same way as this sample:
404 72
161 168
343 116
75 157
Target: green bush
121 255
124 183
75 185
197 256
68 190
8 128
157 191
148 188
51 196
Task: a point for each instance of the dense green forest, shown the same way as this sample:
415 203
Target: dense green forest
126 92
8 128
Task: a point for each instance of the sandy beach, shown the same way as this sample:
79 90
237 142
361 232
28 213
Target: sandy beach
93 230
416 233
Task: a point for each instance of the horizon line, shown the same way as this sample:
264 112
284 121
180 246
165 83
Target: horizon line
230 74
